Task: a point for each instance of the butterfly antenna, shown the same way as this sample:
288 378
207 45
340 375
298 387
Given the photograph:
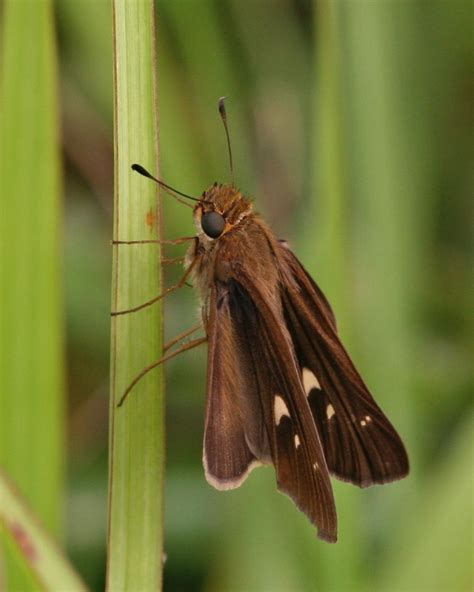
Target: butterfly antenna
223 114
173 192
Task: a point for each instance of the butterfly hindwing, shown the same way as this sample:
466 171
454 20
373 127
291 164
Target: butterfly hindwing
232 407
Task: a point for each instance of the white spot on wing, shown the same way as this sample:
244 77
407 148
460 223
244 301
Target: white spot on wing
310 381
315 466
368 419
280 409
297 441
363 423
330 411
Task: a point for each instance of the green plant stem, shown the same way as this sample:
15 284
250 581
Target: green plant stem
31 294
135 539
326 252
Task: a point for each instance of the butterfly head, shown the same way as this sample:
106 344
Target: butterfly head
221 208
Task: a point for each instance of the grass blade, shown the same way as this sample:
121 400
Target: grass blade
326 253
421 548
137 428
31 295
36 549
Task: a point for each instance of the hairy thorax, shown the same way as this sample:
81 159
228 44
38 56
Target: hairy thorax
235 208
245 238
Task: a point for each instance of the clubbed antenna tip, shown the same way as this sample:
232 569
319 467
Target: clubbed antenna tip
223 114
174 192
141 170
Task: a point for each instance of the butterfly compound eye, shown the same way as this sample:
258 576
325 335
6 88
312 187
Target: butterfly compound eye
213 224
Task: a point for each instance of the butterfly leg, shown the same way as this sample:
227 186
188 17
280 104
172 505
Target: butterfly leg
180 284
192 344
164 261
172 261
181 336
176 241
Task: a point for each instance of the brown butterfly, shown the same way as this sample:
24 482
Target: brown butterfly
281 388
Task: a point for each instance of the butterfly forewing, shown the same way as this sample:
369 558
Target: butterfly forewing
360 444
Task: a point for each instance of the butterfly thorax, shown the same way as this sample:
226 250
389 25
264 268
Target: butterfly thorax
220 216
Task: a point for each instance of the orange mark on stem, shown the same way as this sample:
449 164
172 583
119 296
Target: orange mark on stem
150 218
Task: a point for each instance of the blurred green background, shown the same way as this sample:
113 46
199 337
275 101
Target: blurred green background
351 127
